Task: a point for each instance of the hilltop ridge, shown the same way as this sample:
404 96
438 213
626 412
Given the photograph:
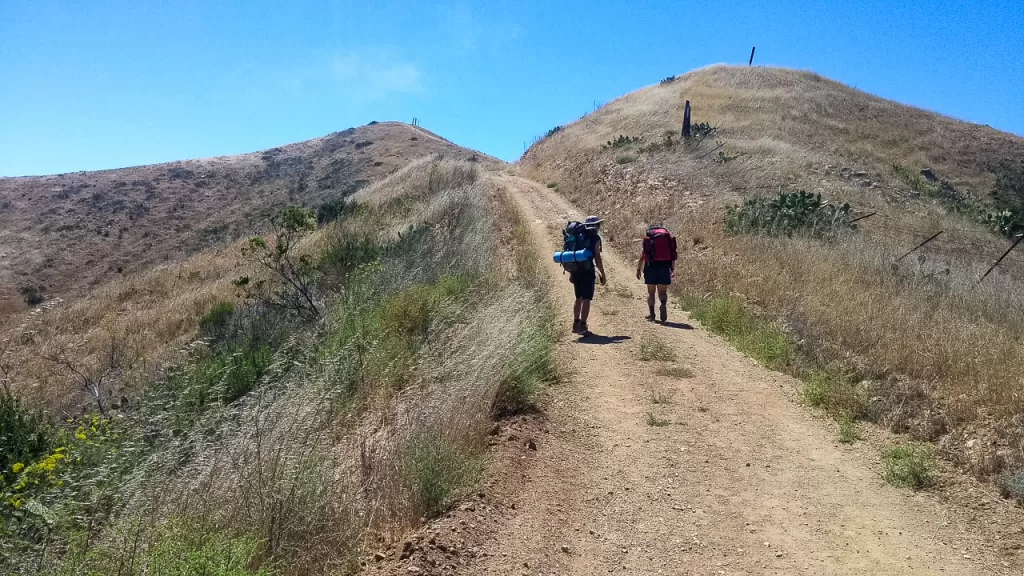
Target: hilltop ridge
67 232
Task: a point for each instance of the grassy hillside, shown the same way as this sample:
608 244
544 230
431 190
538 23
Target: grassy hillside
911 343
292 440
65 233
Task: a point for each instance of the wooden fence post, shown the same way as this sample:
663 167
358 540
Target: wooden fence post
751 62
686 120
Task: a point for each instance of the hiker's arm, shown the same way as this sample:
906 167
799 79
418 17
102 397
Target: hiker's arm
640 264
598 262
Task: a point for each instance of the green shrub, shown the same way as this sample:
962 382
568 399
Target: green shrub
756 337
621 142
790 213
334 209
848 433
838 394
702 130
668 80
33 295
624 159
552 185
1008 190
438 471
216 324
910 465
553 131
345 254
24 436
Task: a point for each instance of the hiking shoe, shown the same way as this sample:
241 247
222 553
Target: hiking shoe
584 329
664 313
650 317
575 326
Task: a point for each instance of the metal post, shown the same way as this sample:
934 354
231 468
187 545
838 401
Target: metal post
1005 254
751 62
909 252
686 120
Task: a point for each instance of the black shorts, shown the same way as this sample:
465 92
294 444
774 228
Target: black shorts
658 273
583 284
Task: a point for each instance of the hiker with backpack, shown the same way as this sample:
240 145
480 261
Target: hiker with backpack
658 263
581 258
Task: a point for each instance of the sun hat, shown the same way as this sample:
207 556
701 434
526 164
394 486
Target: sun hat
592 221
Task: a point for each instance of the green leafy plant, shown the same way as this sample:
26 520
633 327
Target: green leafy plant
788 214
621 142
837 393
295 274
910 465
848 433
668 80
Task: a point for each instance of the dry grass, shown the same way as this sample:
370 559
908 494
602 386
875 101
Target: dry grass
72 232
941 356
344 447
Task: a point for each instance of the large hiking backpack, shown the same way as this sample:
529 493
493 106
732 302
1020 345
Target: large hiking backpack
577 248
659 245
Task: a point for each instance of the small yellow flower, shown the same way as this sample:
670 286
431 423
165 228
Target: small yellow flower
80 435
18 467
60 449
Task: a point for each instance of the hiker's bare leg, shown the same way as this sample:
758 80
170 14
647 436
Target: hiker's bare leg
584 310
576 308
663 296
650 299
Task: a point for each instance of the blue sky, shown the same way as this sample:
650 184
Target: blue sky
91 84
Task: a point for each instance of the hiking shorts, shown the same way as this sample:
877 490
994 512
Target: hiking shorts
583 284
659 273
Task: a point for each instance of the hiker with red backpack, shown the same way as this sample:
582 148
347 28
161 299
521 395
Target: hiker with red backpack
658 263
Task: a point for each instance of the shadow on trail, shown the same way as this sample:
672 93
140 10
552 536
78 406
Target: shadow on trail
599 339
679 325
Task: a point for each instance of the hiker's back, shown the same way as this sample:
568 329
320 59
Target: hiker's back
659 245
578 245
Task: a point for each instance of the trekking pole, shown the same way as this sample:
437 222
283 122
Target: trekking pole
933 237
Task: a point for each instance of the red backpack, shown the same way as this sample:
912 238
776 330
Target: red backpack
660 245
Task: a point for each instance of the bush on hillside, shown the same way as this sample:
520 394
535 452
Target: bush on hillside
791 213
1008 190
621 142
333 209
702 130
553 131
24 436
32 295
668 80
295 275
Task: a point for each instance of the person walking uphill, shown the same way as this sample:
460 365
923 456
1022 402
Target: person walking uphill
658 262
581 258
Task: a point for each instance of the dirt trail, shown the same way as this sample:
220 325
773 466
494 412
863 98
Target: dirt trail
742 480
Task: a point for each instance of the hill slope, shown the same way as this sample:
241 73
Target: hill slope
70 231
913 343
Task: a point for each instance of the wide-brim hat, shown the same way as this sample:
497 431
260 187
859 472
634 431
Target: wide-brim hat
592 221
